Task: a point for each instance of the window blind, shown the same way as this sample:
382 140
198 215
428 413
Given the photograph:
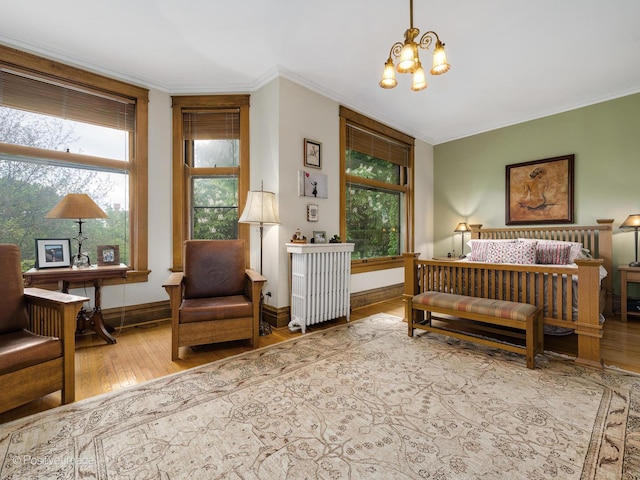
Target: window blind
211 125
39 94
377 146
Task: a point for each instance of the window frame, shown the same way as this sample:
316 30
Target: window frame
349 117
182 172
137 165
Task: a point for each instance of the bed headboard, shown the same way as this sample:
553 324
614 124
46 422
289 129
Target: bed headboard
597 238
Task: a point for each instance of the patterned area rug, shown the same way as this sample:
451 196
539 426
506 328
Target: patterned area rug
357 401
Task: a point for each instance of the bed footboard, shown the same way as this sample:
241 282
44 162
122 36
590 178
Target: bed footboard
551 288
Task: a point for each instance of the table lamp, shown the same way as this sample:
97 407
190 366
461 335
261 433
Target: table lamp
633 223
77 206
461 228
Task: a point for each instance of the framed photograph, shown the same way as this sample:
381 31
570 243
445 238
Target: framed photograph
53 252
108 255
312 153
312 212
319 237
540 191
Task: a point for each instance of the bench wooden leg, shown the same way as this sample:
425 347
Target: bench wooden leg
534 337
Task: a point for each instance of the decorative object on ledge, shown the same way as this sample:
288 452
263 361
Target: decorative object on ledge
319 237
540 191
633 223
461 228
409 60
53 252
335 239
77 205
108 254
260 209
312 153
298 237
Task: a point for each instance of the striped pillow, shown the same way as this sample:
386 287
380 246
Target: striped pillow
549 253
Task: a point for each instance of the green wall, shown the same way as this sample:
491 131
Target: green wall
469 174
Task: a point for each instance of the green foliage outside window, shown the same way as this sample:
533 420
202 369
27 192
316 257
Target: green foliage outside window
373 213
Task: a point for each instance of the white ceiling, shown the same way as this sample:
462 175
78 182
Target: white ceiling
512 60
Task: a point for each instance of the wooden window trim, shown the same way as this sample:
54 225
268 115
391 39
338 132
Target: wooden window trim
349 117
181 172
138 161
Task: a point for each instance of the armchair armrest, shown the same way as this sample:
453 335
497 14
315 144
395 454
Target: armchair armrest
254 285
54 314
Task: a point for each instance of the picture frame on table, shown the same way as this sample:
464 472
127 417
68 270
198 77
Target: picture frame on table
319 236
108 255
53 252
540 191
312 153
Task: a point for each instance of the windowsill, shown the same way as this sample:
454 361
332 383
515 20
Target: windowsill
373 264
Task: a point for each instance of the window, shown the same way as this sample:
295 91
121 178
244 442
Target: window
210 168
377 191
64 130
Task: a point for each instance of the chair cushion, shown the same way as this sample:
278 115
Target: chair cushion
13 313
22 349
214 268
218 308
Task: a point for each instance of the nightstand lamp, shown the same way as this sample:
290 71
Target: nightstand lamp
633 223
461 228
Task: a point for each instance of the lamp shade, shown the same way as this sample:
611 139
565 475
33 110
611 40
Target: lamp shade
76 205
461 227
260 208
632 222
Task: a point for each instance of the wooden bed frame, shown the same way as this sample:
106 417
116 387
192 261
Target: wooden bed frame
526 283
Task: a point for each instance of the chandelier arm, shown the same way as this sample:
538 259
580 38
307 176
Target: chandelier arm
427 39
395 49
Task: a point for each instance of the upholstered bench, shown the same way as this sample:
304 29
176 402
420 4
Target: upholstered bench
521 316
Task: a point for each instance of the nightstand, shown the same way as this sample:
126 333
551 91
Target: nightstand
627 275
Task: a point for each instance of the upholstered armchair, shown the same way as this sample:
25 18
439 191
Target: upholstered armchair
216 298
37 337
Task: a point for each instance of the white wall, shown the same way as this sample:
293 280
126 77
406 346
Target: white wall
283 114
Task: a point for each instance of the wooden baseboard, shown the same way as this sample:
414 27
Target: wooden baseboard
276 317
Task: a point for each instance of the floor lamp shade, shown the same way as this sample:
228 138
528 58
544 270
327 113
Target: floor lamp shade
260 208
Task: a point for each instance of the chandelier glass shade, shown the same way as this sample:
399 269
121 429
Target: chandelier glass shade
409 59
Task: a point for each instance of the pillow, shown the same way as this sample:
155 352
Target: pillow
576 247
553 254
521 253
480 248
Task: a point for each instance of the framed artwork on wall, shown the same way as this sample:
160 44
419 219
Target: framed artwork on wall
312 153
53 252
312 212
312 184
540 191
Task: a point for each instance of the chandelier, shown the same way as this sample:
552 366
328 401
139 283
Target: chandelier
409 60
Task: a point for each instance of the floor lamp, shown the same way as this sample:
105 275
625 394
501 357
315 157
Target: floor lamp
260 209
461 228
633 223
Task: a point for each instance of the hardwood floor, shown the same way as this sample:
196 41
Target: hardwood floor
143 353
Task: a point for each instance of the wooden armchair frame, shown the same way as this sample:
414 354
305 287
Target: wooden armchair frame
50 314
199 333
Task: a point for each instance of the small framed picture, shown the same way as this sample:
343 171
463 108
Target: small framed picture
312 153
312 212
53 252
319 237
108 255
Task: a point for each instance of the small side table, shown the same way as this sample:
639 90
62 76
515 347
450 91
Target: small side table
627 275
95 274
